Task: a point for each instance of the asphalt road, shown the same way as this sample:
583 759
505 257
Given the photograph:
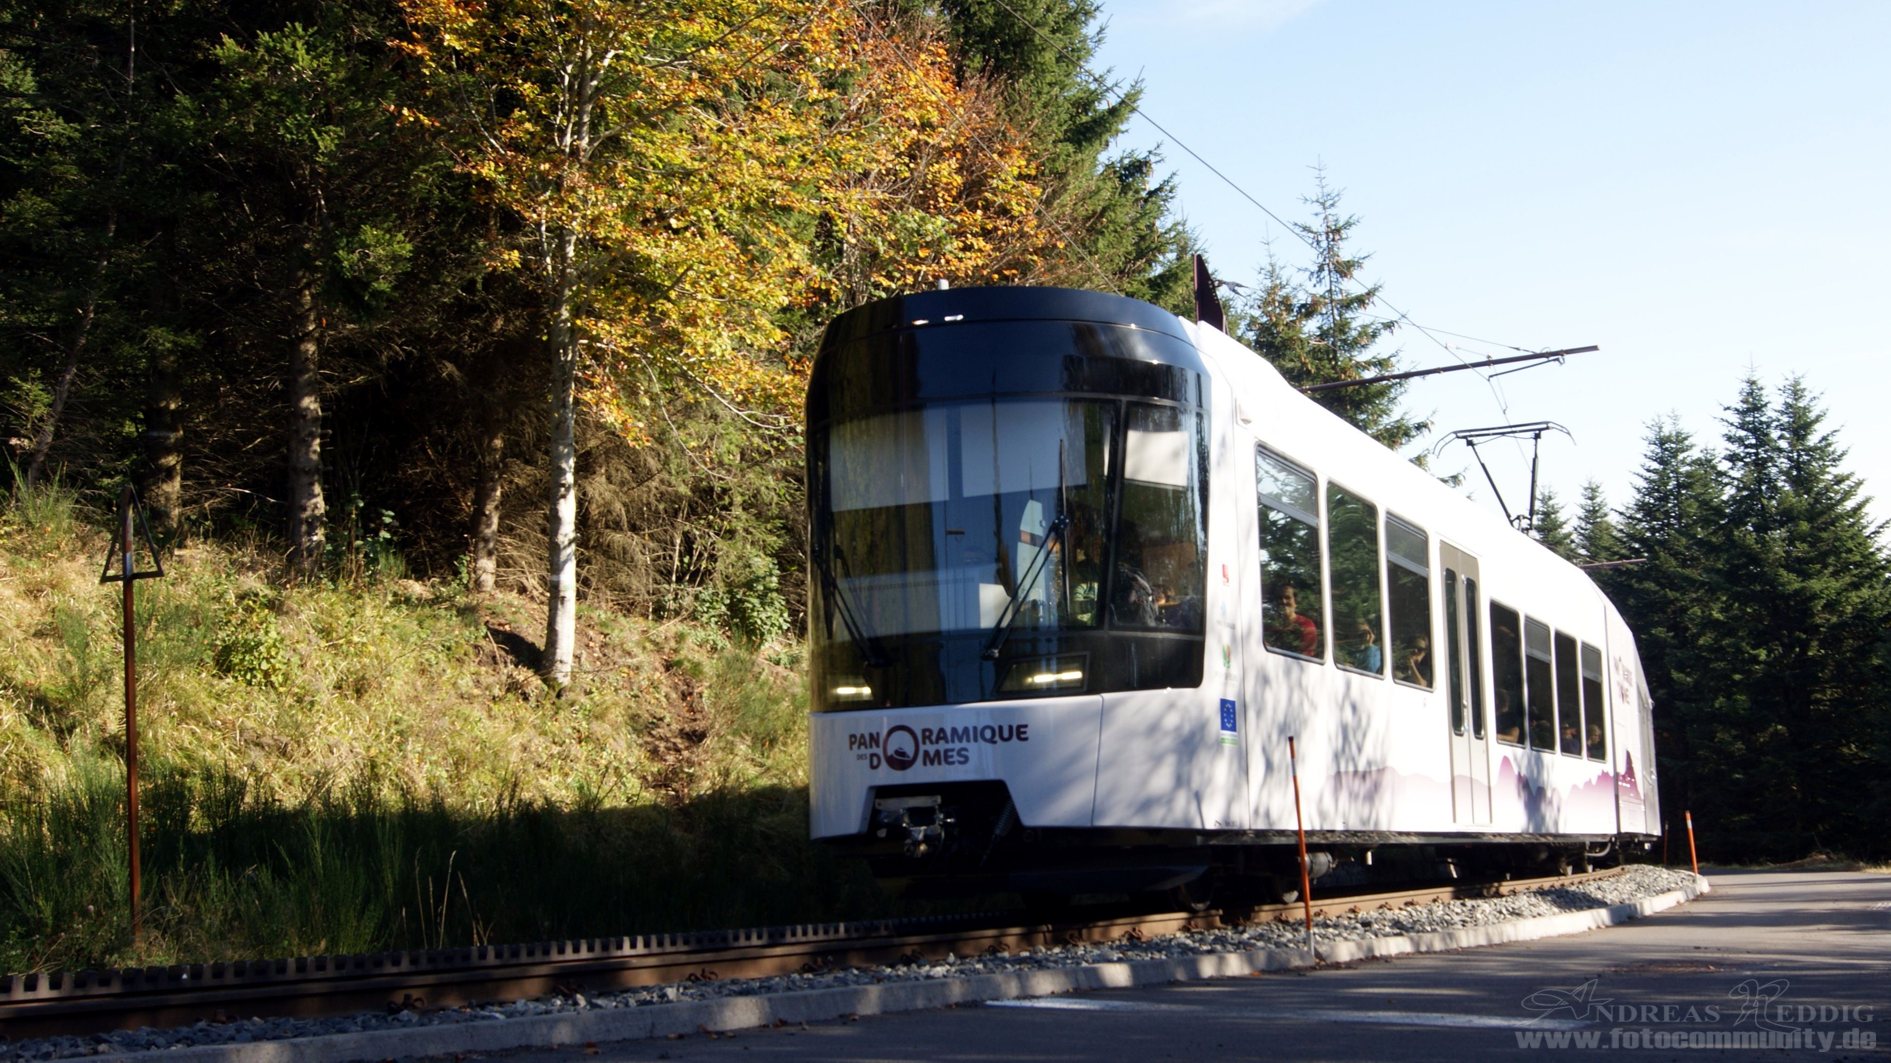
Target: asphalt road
1768 966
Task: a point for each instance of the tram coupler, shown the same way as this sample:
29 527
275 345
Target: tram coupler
918 822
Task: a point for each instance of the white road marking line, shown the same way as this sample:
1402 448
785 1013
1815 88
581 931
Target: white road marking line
1379 1018
1087 1004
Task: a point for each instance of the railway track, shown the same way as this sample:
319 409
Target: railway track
54 1003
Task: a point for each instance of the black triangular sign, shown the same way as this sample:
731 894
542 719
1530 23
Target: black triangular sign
1207 303
117 555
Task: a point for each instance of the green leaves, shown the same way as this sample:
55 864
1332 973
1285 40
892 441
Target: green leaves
289 90
370 261
250 648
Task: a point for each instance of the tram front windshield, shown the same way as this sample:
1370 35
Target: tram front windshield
1016 519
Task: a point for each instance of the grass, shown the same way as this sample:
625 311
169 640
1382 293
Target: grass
358 765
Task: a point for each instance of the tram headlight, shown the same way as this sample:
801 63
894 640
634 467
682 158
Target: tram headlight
1055 680
1040 675
852 690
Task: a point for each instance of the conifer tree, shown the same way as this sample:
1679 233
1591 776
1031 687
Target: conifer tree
1317 328
1806 605
1552 529
1761 614
1596 538
1111 211
70 243
1669 603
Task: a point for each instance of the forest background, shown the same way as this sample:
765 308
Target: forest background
419 324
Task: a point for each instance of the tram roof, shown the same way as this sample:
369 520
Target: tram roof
990 305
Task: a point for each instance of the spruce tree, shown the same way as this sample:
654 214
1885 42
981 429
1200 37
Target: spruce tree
1551 528
1761 614
73 242
1596 538
1317 328
1112 210
1669 604
1806 583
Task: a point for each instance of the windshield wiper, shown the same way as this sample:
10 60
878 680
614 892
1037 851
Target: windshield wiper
1002 629
856 633
1054 536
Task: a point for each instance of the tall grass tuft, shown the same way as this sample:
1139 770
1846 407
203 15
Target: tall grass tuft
352 766
65 870
47 511
229 874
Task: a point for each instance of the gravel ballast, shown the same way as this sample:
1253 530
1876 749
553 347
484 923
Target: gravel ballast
735 1004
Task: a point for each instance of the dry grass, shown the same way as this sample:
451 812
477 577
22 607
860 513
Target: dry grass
402 703
405 686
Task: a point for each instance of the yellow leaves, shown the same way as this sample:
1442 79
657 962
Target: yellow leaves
408 116
698 167
503 259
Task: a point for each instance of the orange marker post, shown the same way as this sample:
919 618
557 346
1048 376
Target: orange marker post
1691 858
1300 827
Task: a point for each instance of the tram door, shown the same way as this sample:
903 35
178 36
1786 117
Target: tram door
1464 689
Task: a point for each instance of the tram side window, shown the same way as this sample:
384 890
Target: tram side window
1291 577
1477 659
1161 542
1506 672
1454 653
1539 697
1569 740
1352 549
1408 593
1594 735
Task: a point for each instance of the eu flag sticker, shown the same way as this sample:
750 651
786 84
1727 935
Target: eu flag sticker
1227 716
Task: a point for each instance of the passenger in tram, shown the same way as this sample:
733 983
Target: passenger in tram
1134 602
1596 749
1182 613
1292 630
1418 662
1365 652
1132 599
1509 720
1085 571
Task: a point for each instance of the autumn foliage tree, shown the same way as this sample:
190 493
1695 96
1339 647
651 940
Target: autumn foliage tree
397 234
676 183
929 180
645 163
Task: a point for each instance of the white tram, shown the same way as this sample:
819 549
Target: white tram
1081 568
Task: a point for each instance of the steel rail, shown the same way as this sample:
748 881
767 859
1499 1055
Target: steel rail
65 1003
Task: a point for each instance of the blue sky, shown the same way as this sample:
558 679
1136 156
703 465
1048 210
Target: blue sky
1702 189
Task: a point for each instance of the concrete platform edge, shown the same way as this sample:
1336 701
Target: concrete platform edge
726 1014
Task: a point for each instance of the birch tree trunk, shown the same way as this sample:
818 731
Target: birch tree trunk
561 582
560 240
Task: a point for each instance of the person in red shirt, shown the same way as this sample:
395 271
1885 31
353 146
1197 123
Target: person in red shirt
1293 630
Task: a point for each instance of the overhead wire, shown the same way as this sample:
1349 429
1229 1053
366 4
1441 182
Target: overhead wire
1108 87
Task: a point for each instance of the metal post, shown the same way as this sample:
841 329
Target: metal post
127 504
1300 827
1692 859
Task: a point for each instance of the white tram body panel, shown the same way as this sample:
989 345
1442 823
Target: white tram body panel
1456 744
